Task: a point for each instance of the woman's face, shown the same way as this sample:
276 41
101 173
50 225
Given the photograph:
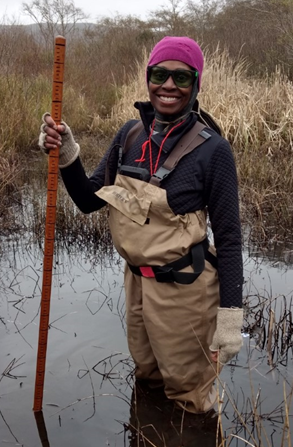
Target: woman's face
167 98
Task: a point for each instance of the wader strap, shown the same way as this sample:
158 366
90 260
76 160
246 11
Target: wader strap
170 272
130 137
190 141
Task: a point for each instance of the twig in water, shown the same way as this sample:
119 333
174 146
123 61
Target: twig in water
100 307
1 414
12 365
94 398
244 440
86 398
286 429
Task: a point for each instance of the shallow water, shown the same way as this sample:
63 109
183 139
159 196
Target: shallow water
88 383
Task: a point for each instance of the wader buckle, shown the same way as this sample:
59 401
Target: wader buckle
164 274
147 272
172 272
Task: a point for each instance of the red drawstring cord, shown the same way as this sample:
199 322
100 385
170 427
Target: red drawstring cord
161 147
149 143
144 146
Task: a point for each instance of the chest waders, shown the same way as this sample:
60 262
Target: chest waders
170 324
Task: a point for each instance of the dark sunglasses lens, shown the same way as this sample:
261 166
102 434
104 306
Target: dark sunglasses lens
158 75
183 78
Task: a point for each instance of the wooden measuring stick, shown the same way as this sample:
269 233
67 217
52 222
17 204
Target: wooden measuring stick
56 110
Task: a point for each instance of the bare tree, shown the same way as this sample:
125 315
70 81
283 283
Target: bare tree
279 15
262 30
201 16
54 17
169 19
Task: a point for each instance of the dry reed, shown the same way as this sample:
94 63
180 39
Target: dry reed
256 116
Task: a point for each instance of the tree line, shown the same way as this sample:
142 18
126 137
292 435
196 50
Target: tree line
261 31
106 53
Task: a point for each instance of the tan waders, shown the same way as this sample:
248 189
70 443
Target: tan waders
169 325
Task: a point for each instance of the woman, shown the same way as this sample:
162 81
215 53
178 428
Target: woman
184 312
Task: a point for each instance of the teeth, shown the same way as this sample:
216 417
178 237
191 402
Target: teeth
167 98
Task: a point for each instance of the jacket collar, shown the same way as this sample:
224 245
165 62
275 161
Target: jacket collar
147 115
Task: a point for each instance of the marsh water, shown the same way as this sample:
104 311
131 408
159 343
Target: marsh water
89 397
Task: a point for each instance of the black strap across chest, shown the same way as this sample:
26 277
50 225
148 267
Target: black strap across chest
190 141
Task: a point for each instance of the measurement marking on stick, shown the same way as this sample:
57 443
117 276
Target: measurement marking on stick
52 185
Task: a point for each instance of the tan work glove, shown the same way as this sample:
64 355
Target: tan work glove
69 149
227 337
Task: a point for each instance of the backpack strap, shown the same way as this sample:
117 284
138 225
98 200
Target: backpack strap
205 118
190 141
132 135
126 141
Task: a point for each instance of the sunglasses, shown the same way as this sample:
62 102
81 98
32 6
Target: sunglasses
182 78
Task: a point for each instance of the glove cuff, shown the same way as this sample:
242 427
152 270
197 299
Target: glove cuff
68 155
231 316
69 151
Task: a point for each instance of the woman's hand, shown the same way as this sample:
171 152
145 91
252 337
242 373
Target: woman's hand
53 135
214 356
50 136
227 339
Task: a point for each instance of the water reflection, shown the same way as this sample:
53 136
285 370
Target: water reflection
89 389
273 253
42 430
154 420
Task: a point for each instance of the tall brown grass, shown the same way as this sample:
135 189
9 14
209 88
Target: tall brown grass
256 116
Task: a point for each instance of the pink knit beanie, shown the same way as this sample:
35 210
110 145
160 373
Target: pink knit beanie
181 49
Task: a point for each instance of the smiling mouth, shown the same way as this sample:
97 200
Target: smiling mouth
168 98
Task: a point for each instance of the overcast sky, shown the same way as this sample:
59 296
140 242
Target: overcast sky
94 8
